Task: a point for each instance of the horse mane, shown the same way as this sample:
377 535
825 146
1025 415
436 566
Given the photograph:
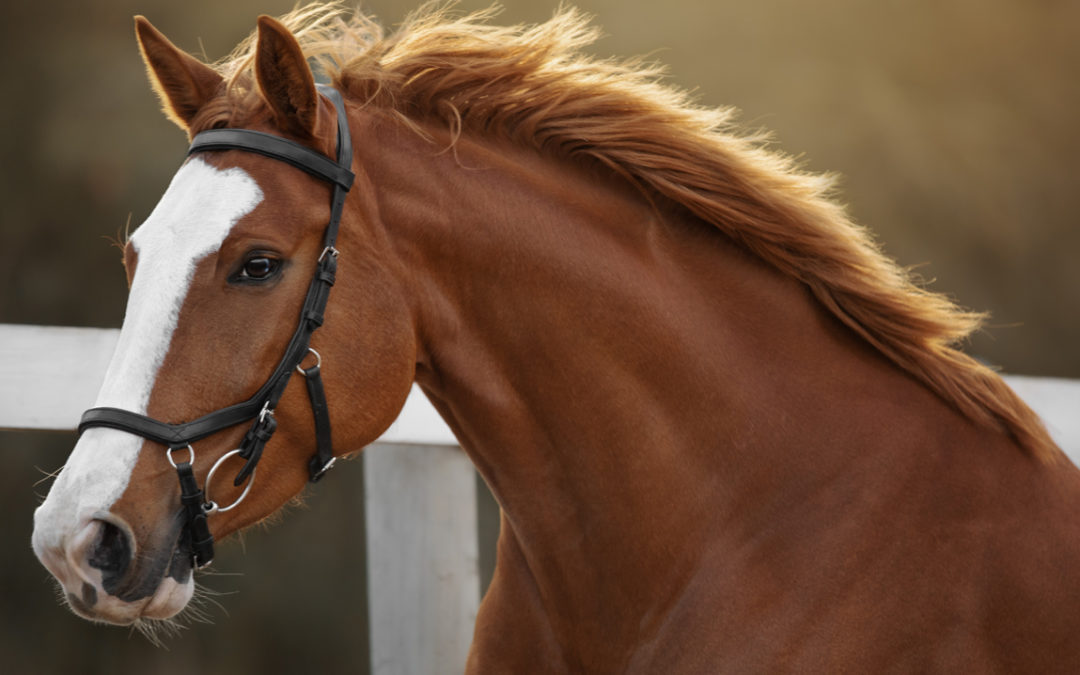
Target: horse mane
534 85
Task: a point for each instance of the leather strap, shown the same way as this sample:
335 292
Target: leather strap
323 459
252 446
192 501
275 147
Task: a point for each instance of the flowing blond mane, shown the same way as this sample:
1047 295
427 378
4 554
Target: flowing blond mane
535 86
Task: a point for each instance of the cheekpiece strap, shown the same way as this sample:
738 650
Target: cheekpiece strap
323 458
192 501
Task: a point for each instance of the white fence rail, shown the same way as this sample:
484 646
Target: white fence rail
420 490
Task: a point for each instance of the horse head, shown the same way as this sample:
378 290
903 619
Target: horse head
220 278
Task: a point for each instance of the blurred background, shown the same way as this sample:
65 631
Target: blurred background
953 124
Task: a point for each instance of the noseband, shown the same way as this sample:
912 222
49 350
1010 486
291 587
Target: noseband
260 407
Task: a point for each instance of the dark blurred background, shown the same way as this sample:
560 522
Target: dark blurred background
952 122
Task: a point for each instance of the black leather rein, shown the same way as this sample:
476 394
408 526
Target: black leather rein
259 407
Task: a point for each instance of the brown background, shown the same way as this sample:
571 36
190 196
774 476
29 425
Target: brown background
952 122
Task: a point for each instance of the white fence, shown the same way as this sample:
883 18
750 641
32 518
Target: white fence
420 490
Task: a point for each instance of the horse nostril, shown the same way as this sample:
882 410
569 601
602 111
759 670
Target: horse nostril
111 553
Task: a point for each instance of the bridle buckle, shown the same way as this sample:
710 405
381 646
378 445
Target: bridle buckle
266 411
328 251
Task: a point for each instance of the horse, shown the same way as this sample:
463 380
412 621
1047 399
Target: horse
725 431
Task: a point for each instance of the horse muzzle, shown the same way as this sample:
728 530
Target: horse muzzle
105 577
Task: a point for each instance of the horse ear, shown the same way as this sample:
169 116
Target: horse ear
285 78
182 82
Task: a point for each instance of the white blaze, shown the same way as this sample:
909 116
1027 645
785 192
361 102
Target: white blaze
190 222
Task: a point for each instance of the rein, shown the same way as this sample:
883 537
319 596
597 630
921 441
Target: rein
260 407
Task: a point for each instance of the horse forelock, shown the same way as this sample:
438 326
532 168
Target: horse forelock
534 85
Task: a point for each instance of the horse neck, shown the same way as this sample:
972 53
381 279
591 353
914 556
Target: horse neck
627 381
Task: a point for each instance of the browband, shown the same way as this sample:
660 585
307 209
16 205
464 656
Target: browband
276 147
260 406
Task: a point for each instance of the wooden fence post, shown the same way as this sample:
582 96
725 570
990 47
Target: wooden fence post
423 574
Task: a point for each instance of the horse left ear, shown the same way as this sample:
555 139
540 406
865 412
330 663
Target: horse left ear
182 82
285 78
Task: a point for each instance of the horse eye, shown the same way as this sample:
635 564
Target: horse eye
259 268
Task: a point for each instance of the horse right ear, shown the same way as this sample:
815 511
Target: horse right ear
182 82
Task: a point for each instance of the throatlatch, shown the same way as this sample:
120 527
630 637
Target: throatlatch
260 407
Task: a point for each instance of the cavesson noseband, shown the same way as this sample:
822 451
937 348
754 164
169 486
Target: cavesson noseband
260 407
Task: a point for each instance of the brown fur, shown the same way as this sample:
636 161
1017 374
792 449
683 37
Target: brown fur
535 86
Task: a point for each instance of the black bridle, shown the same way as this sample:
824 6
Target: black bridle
259 407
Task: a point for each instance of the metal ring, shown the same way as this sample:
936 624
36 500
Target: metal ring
328 250
318 362
211 506
191 455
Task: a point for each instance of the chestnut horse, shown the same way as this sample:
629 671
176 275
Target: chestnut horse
726 433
